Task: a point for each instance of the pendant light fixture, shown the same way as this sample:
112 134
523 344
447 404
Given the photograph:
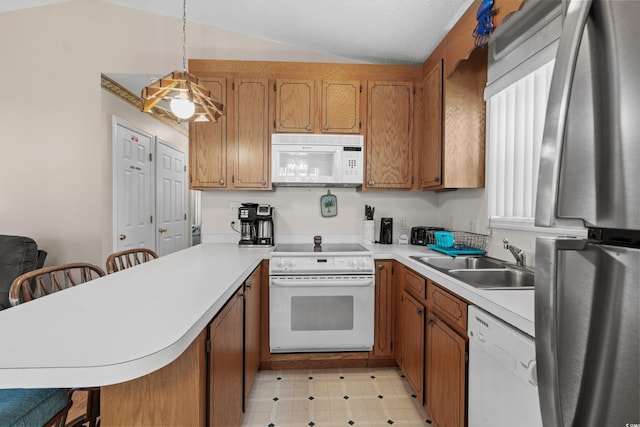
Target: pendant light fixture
179 95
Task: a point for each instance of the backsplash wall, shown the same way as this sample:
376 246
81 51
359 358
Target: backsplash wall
298 218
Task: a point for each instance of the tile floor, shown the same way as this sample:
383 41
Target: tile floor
332 397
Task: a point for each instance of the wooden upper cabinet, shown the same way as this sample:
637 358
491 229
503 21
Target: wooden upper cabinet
208 144
249 134
295 106
299 109
464 129
453 146
389 134
431 155
341 106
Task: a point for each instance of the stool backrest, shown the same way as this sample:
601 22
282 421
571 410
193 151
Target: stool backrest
45 281
129 258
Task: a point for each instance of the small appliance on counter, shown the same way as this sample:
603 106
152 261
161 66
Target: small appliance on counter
386 230
256 225
423 235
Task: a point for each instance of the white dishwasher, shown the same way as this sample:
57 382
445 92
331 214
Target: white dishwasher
503 389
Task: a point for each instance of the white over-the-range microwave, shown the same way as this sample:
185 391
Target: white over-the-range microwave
320 160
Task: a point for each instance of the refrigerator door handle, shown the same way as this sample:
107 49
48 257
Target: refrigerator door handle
546 324
556 117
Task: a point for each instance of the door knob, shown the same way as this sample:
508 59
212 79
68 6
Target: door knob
123 236
163 230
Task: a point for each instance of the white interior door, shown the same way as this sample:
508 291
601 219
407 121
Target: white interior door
171 199
132 193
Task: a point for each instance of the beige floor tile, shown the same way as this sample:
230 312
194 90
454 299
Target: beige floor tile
363 407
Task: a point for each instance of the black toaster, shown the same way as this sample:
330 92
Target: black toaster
422 235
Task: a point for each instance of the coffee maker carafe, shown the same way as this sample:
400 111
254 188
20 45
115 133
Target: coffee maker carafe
256 225
264 215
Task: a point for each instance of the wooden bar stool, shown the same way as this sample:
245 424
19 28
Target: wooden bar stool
129 258
37 284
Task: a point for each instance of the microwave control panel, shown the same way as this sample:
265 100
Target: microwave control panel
352 164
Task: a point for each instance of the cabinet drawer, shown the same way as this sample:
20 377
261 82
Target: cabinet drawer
415 284
450 308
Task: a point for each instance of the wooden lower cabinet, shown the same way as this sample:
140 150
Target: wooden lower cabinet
445 379
171 396
251 330
446 357
226 364
384 310
412 353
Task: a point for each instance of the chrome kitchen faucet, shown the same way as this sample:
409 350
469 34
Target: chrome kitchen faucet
518 254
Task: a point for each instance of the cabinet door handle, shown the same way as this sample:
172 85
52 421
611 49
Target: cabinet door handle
263 182
418 311
221 182
309 127
122 236
326 127
371 182
248 286
430 321
380 266
436 179
163 230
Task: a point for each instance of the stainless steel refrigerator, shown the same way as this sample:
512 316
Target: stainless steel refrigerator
587 298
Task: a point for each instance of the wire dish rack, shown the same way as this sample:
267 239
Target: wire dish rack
459 242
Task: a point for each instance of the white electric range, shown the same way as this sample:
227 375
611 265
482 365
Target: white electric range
321 298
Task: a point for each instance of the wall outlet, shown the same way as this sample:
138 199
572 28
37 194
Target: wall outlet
474 226
233 208
402 224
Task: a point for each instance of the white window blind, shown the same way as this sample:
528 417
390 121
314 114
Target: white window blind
516 123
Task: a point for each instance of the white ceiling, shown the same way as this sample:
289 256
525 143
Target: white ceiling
377 31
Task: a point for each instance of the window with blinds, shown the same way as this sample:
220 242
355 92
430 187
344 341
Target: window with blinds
515 120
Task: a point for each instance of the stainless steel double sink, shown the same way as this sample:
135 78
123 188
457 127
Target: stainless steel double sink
481 272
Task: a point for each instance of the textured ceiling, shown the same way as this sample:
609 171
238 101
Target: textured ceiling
377 31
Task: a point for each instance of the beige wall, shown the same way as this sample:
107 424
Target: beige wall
55 179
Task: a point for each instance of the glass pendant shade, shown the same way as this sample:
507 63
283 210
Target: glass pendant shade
179 95
183 108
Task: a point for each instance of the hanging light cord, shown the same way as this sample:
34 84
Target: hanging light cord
184 35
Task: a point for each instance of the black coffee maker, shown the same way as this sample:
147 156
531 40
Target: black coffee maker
256 225
386 230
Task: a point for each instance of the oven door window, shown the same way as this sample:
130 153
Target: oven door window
322 313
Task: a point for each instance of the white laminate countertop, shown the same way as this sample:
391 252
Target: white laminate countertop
514 306
126 325
121 326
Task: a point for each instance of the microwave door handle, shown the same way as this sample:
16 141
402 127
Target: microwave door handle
546 323
556 116
303 283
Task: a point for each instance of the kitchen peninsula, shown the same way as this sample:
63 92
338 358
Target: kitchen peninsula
124 326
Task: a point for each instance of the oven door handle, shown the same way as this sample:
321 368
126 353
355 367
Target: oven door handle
293 283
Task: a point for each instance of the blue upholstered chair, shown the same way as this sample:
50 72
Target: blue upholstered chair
23 402
29 407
